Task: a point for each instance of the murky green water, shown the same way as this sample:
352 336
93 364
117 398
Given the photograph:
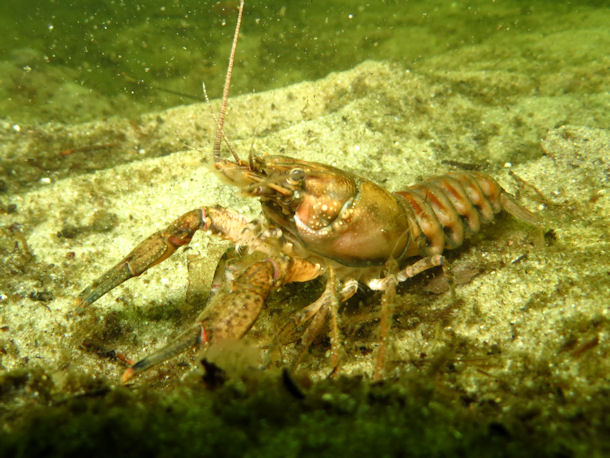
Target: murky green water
83 60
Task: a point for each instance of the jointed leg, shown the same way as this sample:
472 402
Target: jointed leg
388 284
314 316
159 246
192 337
232 312
333 308
388 297
380 284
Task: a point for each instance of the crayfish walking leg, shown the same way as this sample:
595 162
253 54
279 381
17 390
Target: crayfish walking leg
307 323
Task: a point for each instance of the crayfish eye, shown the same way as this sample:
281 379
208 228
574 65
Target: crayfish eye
296 176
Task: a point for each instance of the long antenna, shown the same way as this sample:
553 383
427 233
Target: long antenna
225 92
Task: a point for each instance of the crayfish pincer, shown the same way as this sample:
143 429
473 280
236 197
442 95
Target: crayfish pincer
317 220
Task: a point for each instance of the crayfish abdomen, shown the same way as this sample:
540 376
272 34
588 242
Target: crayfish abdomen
446 209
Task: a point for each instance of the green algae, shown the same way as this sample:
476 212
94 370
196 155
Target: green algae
260 417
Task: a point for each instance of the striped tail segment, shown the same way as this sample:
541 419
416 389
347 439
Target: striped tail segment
449 208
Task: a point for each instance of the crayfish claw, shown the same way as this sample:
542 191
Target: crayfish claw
193 337
128 375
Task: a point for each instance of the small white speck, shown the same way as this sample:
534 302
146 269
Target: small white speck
508 165
356 148
50 27
16 127
45 180
350 16
164 281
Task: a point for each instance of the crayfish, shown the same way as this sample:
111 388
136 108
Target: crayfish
317 220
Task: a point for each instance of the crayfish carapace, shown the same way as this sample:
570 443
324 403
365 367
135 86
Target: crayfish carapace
318 220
